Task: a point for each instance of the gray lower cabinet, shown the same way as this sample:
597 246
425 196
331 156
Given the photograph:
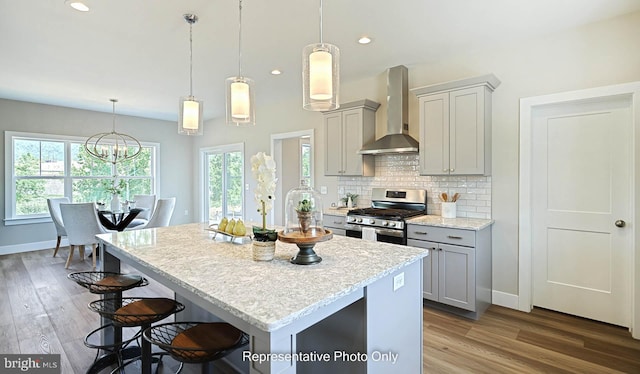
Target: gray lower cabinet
457 271
335 224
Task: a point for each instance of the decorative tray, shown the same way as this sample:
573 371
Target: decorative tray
242 239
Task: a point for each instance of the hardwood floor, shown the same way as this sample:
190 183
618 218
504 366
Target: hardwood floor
41 311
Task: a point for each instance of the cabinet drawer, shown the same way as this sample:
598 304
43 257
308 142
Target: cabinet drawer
334 221
446 235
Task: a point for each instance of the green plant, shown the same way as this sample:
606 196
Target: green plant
353 197
116 187
304 206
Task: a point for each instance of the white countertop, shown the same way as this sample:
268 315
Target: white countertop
268 295
455 223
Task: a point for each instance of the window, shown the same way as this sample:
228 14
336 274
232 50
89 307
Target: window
223 180
43 166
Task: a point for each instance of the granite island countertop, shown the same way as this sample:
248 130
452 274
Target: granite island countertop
454 223
268 295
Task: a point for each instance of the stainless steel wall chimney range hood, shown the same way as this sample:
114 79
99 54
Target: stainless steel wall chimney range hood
397 139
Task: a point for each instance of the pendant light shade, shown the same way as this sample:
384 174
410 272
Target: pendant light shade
320 75
190 121
240 108
240 91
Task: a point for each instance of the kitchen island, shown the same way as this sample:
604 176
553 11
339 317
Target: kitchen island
359 310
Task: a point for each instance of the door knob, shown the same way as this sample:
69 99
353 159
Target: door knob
620 223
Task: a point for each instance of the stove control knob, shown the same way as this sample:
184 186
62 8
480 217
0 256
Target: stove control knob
359 220
385 223
392 224
372 221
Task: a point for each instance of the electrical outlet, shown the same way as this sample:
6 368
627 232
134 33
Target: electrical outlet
398 281
323 190
246 187
341 190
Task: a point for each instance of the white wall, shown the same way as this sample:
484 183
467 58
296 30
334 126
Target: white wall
175 178
595 55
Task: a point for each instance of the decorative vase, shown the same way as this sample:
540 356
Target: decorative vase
263 251
304 219
115 203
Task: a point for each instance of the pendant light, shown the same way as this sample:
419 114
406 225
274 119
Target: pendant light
190 120
113 146
320 75
240 91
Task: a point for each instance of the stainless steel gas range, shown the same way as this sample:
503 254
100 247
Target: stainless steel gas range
384 221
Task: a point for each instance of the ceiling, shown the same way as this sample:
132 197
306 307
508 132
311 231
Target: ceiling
138 50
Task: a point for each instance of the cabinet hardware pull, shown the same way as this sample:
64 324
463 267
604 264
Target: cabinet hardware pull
445 170
454 237
338 222
420 232
433 248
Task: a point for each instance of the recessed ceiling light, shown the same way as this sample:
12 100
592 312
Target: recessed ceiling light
364 40
276 72
77 5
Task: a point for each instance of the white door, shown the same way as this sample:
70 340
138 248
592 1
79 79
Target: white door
581 185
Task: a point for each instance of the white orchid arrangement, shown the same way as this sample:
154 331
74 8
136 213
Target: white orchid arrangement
263 168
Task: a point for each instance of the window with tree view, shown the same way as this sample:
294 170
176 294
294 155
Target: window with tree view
224 176
49 166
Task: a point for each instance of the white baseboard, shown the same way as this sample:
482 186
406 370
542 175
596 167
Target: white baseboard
28 247
504 299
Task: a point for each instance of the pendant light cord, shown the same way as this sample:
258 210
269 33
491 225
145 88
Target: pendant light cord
320 21
113 114
240 39
191 59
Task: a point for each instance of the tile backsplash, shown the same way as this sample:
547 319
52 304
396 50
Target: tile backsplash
402 171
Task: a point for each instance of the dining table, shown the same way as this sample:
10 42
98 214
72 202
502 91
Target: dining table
118 220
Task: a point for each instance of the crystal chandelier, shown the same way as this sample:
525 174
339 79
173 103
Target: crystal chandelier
240 99
190 120
320 75
113 146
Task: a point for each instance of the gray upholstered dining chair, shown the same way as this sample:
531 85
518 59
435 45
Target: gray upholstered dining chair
56 217
161 214
82 225
147 202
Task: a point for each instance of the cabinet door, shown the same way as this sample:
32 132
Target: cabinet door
429 268
352 141
466 129
333 144
457 276
434 134
430 272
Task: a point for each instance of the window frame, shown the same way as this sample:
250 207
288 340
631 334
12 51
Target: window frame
10 217
204 176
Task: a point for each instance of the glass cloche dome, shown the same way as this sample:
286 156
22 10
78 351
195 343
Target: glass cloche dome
303 223
303 211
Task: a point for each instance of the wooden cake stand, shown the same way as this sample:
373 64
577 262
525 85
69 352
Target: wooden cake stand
306 242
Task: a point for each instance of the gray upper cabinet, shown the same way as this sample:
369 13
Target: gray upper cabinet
455 126
346 131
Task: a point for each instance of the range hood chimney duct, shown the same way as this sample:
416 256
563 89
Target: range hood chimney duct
397 139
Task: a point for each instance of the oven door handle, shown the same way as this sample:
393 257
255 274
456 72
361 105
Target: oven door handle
388 232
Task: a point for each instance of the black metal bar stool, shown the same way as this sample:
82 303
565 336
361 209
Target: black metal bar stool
196 342
137 312
98 282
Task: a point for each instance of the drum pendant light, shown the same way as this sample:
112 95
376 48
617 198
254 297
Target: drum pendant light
240 91
320 75
190 120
